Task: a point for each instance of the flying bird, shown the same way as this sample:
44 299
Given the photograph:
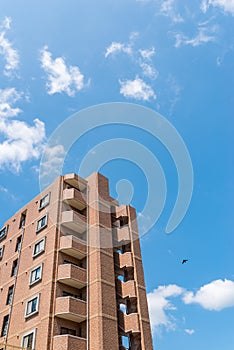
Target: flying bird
184 261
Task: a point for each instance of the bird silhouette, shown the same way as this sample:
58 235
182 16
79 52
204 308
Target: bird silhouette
184 261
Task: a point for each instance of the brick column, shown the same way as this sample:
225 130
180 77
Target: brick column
102 313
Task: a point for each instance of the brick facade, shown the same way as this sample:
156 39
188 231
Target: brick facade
71 275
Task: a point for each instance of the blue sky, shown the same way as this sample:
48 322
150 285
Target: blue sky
176 58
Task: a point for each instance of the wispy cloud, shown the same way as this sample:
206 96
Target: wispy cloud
21 142
226 5
3 189
174 90
136 89
168 9
7 99
61 77
147 54
7 192
146 63
216 295
117 47
52 161
142 58
204 35
9 54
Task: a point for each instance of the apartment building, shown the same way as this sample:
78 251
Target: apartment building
71 275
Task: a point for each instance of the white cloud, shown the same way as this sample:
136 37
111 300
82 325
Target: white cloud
159 305
189 331
53 158
9 54
3 189
147 53
145 62
61 78
116 47
149 71
7 98
216 295
174 90
136 89
226 5
168 9
203 36
21 142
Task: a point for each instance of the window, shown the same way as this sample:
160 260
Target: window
44 201
67 331
22 220
3 232
10 295
14 268
1 252
28 340
35 275
42 223
5 325
18 244
32 306
39 247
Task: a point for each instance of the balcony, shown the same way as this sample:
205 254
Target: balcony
74 221
75 181
74 198
73 246
124 260
72 275
70 309
122 234
69 342
129 323
126 289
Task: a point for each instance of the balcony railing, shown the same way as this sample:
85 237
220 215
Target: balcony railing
129 323
73 220
73 246
126 289
123 260
70 309
74 198
75 181
72 275
68 342
122 235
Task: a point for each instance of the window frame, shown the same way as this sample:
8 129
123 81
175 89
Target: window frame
31 272
1 252
42 227
8 301
34 255
41 205
37 297
5 230
18 243
32 331
14 269
3 334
